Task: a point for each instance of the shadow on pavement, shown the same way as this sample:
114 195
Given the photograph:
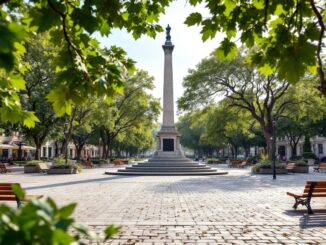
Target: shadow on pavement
232 183
76 182
318 219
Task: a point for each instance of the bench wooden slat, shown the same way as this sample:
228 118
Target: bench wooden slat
8 198
322 190
7 194
319 185
5 188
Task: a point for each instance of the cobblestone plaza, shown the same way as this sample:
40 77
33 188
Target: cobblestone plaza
238 208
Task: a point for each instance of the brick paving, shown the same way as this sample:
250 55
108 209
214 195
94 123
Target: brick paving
238 208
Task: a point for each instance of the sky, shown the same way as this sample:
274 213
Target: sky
189 48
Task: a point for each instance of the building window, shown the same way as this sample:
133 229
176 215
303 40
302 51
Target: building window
71 153
44 151
320 149
50 152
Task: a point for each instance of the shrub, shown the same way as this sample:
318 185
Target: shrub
62 160
43 222
296 158
74 166
33 163
264 157
301 164
266 165
27 163
309 155
213 161
254 159
98 161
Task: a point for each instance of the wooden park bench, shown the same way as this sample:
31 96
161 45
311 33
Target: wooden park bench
312 189
7 194
88 164
235 163
42 167
4 168
290 166
243 164
320 167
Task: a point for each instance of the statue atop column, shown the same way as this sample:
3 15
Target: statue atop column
168 36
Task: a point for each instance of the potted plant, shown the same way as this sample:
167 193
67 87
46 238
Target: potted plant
31 166
213 161
301 167
61 168
266 167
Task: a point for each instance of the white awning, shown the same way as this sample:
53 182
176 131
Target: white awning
6 146
27 147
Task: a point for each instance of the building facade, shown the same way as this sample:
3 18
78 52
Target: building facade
318 147
14 147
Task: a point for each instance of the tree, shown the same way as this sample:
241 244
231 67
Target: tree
190 133
134 141
83 69
292 130
82 128
263 97
285 37
300 121
39 77
320 126
228 126
134 109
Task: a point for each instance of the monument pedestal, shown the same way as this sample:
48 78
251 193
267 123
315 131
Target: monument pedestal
168 143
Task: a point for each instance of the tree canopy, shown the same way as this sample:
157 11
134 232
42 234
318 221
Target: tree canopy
265 98
286 37
83 69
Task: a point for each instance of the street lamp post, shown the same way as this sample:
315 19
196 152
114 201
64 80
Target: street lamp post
66 132
274 149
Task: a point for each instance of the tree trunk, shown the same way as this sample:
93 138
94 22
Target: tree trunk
293 146
269 142
37 153
38 143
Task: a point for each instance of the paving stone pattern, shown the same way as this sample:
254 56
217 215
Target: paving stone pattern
238 208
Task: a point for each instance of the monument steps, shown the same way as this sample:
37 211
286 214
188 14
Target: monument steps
169 160
168 169
164 163
168 166
132 173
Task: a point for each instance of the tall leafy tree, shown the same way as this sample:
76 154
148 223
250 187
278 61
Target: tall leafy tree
135 108
83 126
263 97
190 133
286 37
39 77
300 121
229 126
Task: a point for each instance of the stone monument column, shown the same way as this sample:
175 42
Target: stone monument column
168 144
168 104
